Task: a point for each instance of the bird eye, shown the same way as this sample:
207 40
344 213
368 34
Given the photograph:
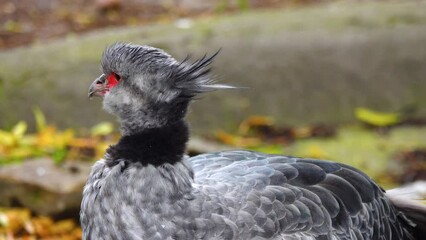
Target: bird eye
117 77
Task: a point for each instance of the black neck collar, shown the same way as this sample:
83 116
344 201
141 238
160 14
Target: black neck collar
154 146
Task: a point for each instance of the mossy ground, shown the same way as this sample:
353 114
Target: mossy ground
373 152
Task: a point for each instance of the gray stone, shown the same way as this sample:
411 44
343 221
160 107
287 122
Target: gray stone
44 187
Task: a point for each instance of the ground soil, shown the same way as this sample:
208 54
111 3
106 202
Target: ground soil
35 21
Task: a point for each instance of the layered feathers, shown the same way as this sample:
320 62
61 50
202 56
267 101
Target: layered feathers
239 195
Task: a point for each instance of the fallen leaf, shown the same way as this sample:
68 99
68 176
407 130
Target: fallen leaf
376 118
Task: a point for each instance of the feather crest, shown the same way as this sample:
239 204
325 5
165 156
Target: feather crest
194 78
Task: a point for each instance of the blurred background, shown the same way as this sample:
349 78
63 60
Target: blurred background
338 80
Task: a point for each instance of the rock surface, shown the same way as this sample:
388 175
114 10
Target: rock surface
44 187
300 66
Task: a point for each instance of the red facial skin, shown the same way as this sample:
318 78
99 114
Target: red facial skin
112 80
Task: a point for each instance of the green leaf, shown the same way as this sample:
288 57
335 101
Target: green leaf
59 155
271 149
243 4
222 6
375 118
12 26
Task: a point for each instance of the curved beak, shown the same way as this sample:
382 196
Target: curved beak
97 88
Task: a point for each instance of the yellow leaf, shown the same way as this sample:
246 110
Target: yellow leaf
61 139
45 138
42 226
237 141
19 129
315 151
63 226
14 219
302 132
39 118
28 140
254 121
271 149
102 129
20 153
50 138
6 138
101 148
375 118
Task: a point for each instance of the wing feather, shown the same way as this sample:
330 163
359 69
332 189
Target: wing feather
291 197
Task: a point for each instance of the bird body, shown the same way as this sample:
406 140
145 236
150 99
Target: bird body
237 195
146 188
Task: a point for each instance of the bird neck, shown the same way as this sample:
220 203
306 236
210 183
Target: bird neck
155 146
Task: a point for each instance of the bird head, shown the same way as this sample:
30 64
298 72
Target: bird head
147 88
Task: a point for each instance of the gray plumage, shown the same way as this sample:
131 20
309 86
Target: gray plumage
137 193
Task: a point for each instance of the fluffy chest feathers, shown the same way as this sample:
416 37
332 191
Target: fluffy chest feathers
132 201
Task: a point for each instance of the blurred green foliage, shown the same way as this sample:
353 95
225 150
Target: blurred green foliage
17 145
